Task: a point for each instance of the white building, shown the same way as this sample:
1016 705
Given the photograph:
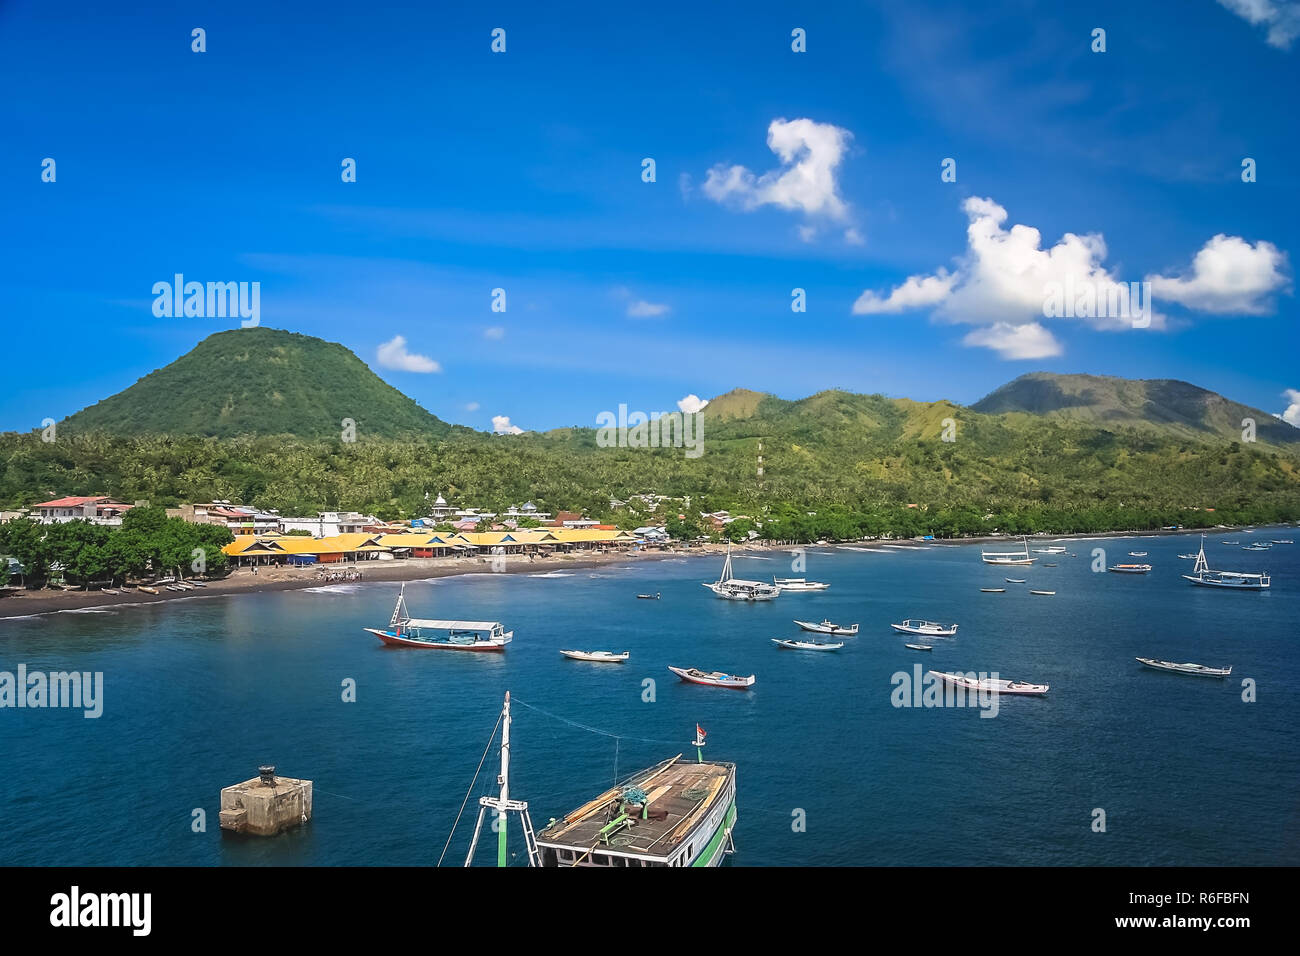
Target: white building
326 524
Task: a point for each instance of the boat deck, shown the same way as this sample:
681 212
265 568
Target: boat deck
680 795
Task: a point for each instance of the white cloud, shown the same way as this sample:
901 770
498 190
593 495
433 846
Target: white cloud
1228 275
810 154
494 332
1292 414
641 309
916 292
1006 275
393 354
1282 17
1029 341
692 403
501 425
472 406
853 237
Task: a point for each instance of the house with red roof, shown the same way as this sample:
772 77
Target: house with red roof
99 509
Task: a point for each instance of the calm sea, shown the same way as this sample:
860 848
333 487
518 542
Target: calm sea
200 691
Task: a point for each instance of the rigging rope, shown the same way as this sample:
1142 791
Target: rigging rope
471 788
593 730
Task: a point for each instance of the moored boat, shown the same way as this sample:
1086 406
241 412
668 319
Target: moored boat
1203 576
925 628
798 584
648 597
827 627
1014 580
1137 554
919 647
1044 593
990 685
994 590
693 675
791 645
406 631
1009 557
1195 670
1130 568
738 589
599 657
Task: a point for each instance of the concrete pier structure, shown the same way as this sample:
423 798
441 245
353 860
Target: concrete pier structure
265 805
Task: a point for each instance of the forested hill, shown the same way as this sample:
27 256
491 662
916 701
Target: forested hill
260 381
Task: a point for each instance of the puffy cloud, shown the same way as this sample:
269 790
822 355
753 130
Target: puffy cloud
501 425
1292 413
1011 341
1282 17
810 154
641 309
916 292
692 403
1228 275
393 354
1007 276
494 332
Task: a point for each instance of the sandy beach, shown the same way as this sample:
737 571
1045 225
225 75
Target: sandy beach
19 604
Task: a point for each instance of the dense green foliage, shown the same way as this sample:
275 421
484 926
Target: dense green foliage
254 414
148 542
260 381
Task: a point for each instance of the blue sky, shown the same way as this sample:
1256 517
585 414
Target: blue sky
522 170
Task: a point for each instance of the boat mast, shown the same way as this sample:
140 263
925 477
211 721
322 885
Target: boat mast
504 780
503 803
400 613
726 567
1202 565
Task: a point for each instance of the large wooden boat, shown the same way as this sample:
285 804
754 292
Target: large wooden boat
738 589
1203 576
829 627
694 675
406 631
989 685
925 628
1009 557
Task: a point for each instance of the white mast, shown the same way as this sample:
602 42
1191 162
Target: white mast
1202 565
503 803
726 566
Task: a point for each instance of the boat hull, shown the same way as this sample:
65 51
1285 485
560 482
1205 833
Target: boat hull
1227 585
396 640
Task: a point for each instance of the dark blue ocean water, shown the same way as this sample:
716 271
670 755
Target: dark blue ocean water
200 691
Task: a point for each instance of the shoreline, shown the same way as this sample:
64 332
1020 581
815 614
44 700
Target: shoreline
27 604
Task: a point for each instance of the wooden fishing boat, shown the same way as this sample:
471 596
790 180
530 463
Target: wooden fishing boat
1046 593
925 628
826 627
1014 580
1009 557
989 685
1203 576
920 647
148 590
738 589
1195 670
406 631
1258 546
1281 541
1223 541
599 657
1137 554
1130 568
693 675
798 584
1187 556
648 597
1049 565
1051 550
791 645
994 590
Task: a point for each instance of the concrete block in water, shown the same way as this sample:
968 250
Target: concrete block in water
265 805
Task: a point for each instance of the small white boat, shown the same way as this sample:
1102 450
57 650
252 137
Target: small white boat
827 627
1051 550
1008 557
925 628
919 647
1281 541
1130 568
108 590
808 645
1188 556
1229 542
648 597
1137 554
1047 593
601 657
1258 546
1014 580
994 590
694 675
798 584
197 584
989 685
1196 670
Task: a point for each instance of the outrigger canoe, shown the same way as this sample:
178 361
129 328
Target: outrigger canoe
694 675
808 645
602 657
989 685
1195 670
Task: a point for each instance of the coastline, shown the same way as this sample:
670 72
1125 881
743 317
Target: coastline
17 605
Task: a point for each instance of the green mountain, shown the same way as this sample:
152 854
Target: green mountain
260 381
1164 405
